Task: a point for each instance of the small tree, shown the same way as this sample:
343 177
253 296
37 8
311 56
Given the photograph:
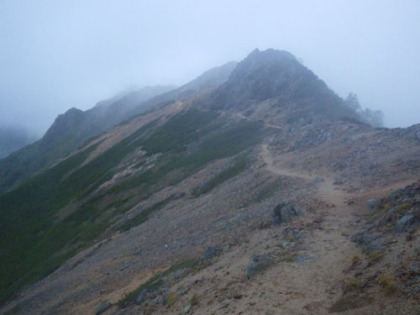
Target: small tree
352 101
375 118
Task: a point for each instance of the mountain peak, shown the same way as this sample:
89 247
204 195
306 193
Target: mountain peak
272 67
278 76
271 55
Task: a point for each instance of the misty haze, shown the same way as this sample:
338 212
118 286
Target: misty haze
175 157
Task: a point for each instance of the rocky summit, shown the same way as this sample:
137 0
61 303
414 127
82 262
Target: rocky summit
253 189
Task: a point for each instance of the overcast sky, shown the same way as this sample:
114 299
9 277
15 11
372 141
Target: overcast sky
55 55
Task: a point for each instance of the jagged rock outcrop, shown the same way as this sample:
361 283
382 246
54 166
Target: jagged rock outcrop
285 212
278 76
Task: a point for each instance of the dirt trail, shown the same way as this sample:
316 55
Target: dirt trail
242 116
329 248
326 190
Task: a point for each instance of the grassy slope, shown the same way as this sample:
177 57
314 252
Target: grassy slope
34 242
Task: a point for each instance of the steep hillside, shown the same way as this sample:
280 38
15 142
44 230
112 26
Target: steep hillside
248 196
73 128
69 131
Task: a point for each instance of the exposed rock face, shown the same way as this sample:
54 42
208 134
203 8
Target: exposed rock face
390 242
400 211
65 126
102 307
211 252
285 212
369 242
260 76
277 75
258 263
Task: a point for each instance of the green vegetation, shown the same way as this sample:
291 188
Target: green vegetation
31 239
355 260
180 164
156 281
173 297
185 264
152 284
375 255
287 255
195 300
387 283
353 284
267 191
144 215
403 207
29 244
35 240
181 130
239 166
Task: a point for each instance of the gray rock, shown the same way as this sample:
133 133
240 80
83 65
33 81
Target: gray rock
412 287
417 135
318 180
295 234
182 291
102 307
178 195
302 259
187 309
372 204
142 297
286 245
407 221
285 212
125 266
368 242
224 303
257 264
211 252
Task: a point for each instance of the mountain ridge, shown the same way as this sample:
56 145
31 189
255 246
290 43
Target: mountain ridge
279 77
71 129
179 201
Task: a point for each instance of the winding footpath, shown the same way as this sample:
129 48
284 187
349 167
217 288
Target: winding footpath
319 280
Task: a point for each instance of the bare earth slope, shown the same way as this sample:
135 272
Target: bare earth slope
310 267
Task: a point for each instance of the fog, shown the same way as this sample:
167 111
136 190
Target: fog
55 55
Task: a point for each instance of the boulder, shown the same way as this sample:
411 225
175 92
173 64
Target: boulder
407 221
368 242
142 297
257 264
102 307
372 204
211 252
285 212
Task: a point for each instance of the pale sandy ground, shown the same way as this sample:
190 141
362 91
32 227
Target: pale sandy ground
287 287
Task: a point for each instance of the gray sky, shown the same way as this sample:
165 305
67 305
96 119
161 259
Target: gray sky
60 54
